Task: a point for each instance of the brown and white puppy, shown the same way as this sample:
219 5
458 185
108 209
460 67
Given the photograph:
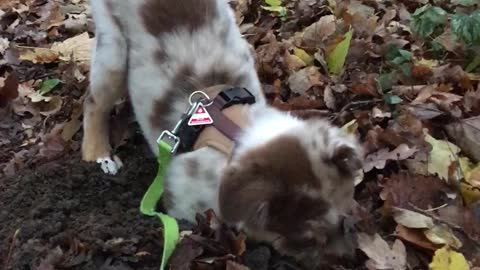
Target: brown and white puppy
288 181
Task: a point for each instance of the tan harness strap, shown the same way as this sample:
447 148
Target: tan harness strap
211 137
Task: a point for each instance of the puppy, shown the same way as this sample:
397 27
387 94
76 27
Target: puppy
280 179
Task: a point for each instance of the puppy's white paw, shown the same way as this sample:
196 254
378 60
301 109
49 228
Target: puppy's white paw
110 166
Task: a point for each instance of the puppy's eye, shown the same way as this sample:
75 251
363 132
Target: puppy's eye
346 159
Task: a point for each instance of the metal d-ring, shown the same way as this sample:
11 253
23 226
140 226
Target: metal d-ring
200 99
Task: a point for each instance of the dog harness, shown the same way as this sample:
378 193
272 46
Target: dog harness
228 113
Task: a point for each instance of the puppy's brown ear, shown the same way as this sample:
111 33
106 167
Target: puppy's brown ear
347 159
244 197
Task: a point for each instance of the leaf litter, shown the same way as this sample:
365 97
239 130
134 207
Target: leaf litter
400 75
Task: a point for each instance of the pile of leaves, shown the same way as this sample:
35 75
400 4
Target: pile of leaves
401 75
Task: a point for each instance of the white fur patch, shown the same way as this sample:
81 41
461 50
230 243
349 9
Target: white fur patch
265 124
110 166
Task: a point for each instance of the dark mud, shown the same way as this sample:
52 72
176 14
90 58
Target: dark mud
67 214
71 215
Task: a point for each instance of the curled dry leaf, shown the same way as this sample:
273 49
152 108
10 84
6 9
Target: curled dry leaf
377 113
77 48
466 134
441 156
461 217
379 159
76 22
51 107
442 235
294 63
404 190
351 127
329 98
425 111
471 172
415 237
306 78
4 44
425 93
303 55
470 194
37 55
186 251
367 88
471 101
380 254
411 219
315 34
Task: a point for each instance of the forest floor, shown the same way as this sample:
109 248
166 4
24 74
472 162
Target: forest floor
402 75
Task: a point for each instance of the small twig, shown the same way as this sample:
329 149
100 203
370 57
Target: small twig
44 75
10 250
429 209
355 103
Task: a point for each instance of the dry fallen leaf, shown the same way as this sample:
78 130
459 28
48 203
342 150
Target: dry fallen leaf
50 107
471 172
415 237
77 48
411 219
329 98
294 63
304 79
37 55
466 134
442 235
445 259
377 113
4 44
380 254
470 193
316 33
379 159
351 127
443 153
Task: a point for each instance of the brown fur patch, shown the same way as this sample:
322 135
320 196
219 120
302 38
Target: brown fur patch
215 77
163 107
273 174
192 166
160 55
164 16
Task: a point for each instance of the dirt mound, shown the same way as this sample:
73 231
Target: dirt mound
70 214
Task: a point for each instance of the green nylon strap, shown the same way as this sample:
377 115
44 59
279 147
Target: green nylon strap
151 198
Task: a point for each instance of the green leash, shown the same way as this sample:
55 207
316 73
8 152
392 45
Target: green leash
153 195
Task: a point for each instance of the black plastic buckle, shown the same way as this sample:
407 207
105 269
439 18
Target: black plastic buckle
236 95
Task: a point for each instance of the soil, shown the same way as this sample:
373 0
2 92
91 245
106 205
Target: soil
92 217
68 214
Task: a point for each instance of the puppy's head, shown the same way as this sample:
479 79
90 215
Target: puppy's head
292 189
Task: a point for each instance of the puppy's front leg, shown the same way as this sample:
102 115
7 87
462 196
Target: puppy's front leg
107 85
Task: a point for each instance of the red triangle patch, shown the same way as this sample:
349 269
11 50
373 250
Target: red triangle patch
200 117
